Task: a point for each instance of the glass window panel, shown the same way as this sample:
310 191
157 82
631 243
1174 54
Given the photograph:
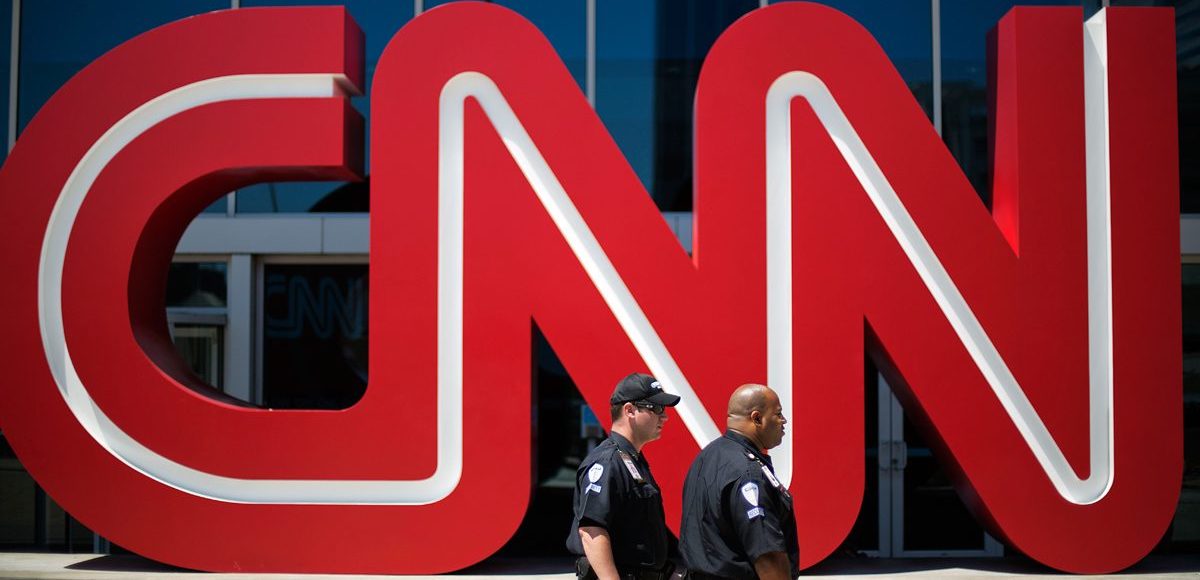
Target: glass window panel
965 26
564 22
60 37
304 196
314 335
1185 530
5 71
219 207
202 347
17 490
197 284
379 22
625 49
935 518
648 58
1187 38
864 536
904 30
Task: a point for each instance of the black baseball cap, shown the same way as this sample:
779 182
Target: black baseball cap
642 387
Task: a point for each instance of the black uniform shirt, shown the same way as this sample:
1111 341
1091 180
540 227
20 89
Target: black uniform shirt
622 498
735 510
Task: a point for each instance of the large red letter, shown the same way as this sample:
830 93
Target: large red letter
104 414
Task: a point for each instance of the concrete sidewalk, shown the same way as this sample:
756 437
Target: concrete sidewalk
92 566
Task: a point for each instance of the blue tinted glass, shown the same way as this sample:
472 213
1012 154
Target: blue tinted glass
625 64
379 22
60 37
648 58
219 207
202 284
965 26
904 29
307 196
5 70
564 22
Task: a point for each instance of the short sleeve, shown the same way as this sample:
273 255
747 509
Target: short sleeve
597 486
755 508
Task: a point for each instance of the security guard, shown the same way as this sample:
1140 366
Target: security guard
619 528
737 517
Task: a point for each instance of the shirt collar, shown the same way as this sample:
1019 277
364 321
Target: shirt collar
749 446
624 445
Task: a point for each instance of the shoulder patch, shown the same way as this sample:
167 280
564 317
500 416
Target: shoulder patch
750 492
595 472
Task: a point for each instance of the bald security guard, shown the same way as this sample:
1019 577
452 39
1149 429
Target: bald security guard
619 527
737 517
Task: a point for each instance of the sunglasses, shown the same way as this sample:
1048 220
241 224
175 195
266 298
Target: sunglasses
656 409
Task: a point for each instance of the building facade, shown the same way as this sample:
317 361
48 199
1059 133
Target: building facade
267 297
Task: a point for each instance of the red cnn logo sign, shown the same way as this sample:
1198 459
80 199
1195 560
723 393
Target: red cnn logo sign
1038 344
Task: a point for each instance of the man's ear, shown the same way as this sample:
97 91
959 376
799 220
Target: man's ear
756 417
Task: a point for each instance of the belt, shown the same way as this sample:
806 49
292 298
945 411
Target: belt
642 574
583 571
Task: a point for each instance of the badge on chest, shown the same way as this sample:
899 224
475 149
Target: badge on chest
631 466
770 475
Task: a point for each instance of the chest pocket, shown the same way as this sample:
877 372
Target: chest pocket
646 492
647 505
647 501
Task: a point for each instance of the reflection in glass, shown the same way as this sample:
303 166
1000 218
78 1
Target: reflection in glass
314 335
201 347
196 284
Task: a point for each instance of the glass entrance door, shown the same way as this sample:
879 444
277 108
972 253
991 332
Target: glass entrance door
920 514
